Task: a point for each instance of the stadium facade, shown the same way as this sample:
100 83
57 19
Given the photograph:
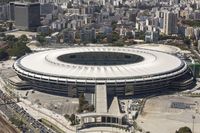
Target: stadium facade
124 71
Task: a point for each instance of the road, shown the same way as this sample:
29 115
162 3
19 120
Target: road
6 127
9 107
32 124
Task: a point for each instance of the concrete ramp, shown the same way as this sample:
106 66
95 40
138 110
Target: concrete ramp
101 99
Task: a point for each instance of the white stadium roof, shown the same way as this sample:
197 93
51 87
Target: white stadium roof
159 47
46 63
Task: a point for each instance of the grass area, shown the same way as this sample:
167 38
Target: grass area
51 125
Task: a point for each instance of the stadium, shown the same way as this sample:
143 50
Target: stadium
124 71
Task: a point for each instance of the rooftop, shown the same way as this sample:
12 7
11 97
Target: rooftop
160 47
47 63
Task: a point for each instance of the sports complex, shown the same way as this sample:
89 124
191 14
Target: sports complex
124 71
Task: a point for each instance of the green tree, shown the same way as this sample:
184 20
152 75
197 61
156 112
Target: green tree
91 108
112 37
100 37
67 116
3 54
187 41
72 118
140 35
114 25
184 130
69 5
23 39
129 35
18 50
2 35
41 38
2 29
10 39
17 47
82 103
119 43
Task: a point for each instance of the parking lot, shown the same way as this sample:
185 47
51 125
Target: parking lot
21 113
158 114
6 127
58 104
10 108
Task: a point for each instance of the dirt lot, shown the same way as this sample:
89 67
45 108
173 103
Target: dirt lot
159 117
6 127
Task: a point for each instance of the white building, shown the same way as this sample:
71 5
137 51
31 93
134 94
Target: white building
170 23
104 114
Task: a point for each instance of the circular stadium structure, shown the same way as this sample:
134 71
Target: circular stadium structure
159 47
125 71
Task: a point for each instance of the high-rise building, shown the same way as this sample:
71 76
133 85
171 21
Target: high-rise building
3 11
170 23
11 11
47 8
27 15
53 1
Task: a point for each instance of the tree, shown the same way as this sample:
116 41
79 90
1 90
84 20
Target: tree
112 37
77 35
2 29
129 35
2 35
186 41
91 108
100 37
23 39
119 43
10 39
114 25
41 38
3 54
184 130
17 47
67 116
69 5
72 118
140 35
82 103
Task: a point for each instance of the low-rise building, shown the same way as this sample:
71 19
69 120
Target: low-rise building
87 35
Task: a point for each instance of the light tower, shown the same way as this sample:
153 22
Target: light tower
193 117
